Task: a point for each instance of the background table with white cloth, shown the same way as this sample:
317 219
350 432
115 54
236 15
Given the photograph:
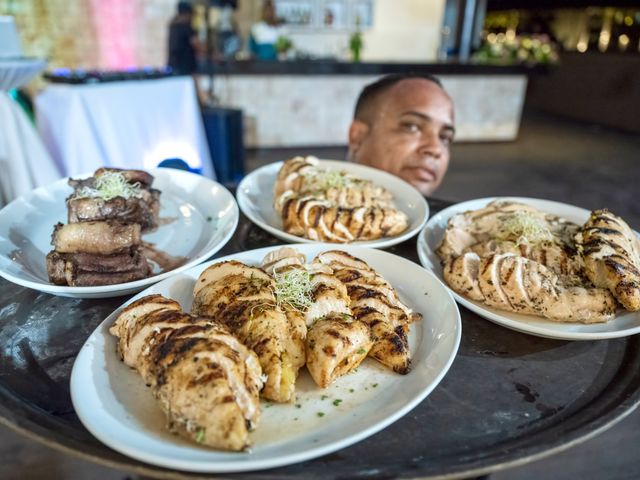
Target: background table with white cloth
24 162
128 124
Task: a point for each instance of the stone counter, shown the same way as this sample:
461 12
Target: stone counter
289 104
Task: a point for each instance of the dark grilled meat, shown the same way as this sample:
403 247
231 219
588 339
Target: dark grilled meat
86 270
611 253
101 238
143 210
140 177
207 382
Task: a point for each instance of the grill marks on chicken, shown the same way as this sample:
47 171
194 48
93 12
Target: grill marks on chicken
333 207
241 298
376 303
573 276
335 342
206 381
611 254
514 283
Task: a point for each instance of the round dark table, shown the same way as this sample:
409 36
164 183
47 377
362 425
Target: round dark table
508 399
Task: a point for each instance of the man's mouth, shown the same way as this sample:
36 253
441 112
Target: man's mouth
422 174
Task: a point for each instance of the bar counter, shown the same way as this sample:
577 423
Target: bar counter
310 102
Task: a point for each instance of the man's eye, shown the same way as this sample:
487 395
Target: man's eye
446 139
410 127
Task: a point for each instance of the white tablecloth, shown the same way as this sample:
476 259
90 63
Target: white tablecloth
130 124
24 162
17 72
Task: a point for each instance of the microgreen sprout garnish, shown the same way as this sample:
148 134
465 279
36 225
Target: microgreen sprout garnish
293 289
200 435
323 180
524 227
110 185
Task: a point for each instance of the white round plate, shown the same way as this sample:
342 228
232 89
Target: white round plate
204 216
625 323
255 198
113 403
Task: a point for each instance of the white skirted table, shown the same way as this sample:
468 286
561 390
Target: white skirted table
24 162
126 124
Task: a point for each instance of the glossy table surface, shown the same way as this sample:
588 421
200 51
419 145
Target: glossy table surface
509 398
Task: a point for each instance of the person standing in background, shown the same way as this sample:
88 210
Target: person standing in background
183 41
184 45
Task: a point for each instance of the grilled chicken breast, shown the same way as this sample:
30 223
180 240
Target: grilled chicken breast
320 220
336 343
333 206
374 301
514 283
207 382
611 254
502 220
241 297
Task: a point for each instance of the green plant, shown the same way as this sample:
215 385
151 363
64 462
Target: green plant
355 45
283 44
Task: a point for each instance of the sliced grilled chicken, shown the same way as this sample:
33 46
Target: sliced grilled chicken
514 283
242 298
503 220
318 219
303 176
207 382
611 253
549 254
333 206
334 338
376 303
336 344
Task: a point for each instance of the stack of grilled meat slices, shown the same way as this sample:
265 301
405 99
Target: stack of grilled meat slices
513 257
101 243
333 206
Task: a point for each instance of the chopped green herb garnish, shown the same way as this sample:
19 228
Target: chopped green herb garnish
324 397
361 351
375 385
351 390
320 414
298 405
337 402
200 435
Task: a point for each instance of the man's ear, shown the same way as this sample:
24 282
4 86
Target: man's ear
357 133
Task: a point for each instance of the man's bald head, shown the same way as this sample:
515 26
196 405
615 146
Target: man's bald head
368 102
404 124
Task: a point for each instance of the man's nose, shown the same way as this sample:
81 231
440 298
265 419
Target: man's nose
430 144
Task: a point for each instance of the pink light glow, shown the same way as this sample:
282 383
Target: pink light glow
116 24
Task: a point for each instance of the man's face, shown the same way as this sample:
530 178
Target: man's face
409 134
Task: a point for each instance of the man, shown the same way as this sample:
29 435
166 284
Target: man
183 41
404 124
